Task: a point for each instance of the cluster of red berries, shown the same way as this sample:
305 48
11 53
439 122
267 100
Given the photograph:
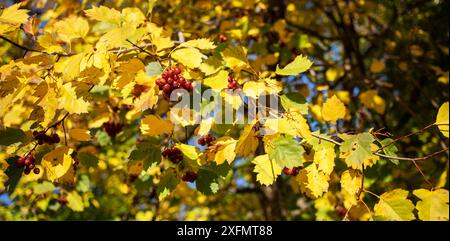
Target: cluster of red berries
206 140
138 89
291 171
189 176
222 38
30 164
113 127
172 80
62 199
174 154
42 138
232 83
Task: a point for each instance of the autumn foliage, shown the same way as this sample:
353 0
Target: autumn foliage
92 96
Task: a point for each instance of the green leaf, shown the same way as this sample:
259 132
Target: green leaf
286 152
294 101
83 183
10 136
167 184
390 150
153 68
87 159
208 177
103 138
148 151
100 91
44 187
14 174
358 147
299 65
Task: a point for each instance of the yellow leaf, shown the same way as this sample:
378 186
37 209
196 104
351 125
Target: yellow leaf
222 150
49 43
153 125
104 14
266 170
433 205
75 202
235 57
12 17
442 119
57 163
351 181
71 28
201 43
377 66
248 141
372 100
324 158
394 206
70 66
70 102
217 81
189 57
278 125
210 65
312 181
333 109
254 88
333 73
298 124
299 65
161 42
205 126
80 134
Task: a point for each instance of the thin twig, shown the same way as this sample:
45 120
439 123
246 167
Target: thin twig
140 48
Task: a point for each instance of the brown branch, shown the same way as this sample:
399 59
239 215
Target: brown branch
140 48
383 155
32 50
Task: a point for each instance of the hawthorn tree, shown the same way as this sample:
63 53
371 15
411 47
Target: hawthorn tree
93 96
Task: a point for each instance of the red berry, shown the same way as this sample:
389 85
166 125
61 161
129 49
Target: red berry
176 84
201 141
288 171
164 75
165 153
341 210
177 70
20 162
222 38
167 88
62 200
182 81
170 80
36 170
28 161
188 86
176 151
189 176
26 171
